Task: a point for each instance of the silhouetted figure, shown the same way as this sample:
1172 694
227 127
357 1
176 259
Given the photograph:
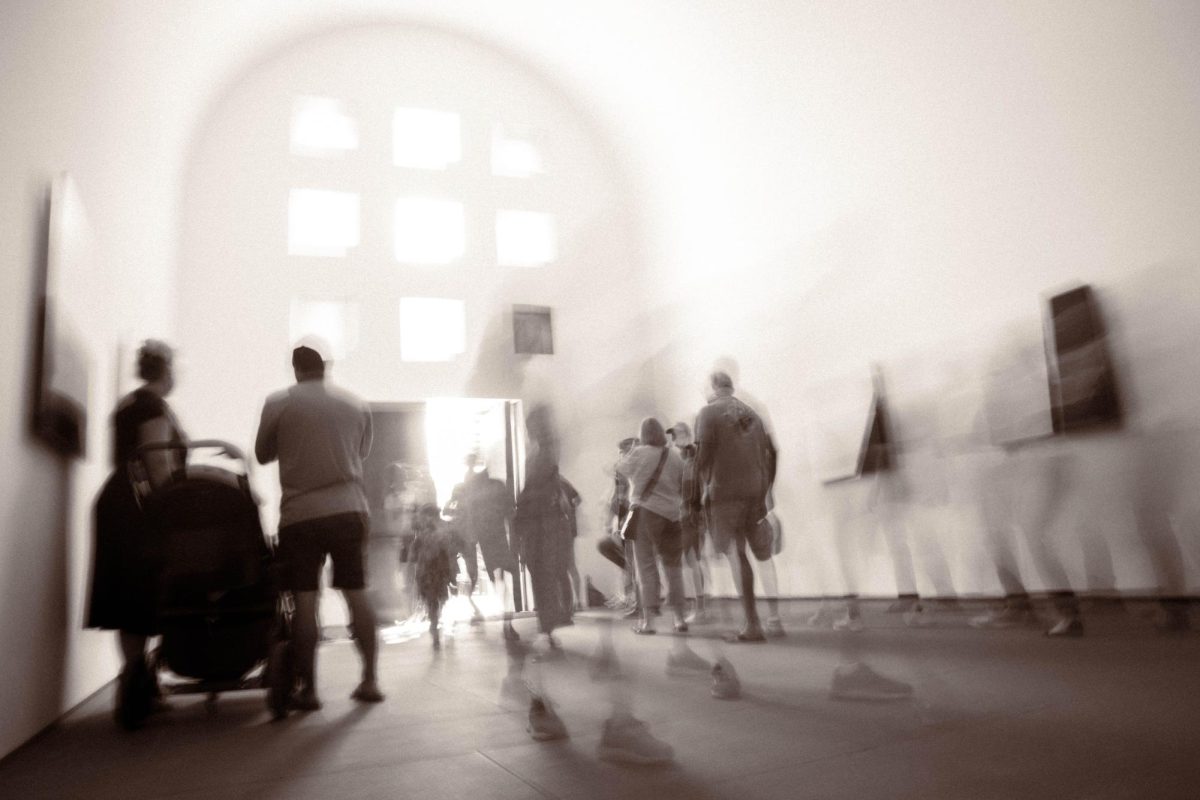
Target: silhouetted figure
541 526
320 435
735 468
126 561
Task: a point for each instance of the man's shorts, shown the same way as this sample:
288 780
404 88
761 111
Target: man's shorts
303 547
735 521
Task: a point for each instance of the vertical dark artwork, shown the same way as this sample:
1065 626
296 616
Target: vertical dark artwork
532 330
1083 385
59 408
398 436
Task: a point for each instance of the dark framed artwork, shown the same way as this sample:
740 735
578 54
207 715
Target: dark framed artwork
1083 384
533 332
62 363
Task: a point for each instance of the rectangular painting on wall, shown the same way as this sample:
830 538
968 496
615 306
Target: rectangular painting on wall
1083 386
62 363
532 331
845 419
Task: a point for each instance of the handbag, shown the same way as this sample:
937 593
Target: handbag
629 524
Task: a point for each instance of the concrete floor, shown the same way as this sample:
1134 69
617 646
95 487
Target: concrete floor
996 714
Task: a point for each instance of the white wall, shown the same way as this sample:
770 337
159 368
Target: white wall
925 170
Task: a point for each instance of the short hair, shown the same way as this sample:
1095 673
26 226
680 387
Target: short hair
721 380
652 433
307 360
154 360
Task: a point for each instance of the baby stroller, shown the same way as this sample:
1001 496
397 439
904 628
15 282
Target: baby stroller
224 622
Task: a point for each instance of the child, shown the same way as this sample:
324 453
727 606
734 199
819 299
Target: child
433 555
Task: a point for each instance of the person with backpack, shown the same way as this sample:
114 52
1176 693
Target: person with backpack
655 470
735 468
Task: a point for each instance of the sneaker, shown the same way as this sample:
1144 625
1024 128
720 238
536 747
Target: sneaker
850 622
510 633
631 612
701 617
686 662
1006 617
725 683
774 628
305 701
367 693
1066 628
903 604
626 741
860 682
544 724
747 635
644 628
681 626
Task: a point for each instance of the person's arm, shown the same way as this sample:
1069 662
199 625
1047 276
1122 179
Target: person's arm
368 437
266 445
157 462
706 451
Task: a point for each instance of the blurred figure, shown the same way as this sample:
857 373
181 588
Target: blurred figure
1023 492
436 567
464 533
655 472
692 527
571 502
616 549
407 491
320 436
542 527
734 469
124 567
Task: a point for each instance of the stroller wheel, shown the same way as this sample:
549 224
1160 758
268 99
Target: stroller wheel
279 679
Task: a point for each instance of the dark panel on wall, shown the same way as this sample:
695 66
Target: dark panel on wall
1083 386
532 331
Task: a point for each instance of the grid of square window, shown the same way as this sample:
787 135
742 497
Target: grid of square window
426 230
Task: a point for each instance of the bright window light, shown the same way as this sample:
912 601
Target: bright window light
322 223
334 321
515 153
525 239
429 231
424 139
320 128
431 329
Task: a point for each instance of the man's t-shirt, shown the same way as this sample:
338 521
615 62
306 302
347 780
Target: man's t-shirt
320 434
733 451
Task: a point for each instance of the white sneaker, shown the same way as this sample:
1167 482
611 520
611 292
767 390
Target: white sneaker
627 741
725 683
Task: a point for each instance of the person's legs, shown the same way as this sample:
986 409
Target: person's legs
647 572
344 537
668 542
580 601
304 648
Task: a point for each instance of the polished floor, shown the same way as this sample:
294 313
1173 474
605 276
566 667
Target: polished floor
994 714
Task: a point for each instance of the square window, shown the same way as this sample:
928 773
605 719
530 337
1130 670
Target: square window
431 329
320 128
516 151
335 321
425 139
525 239
429 231
322 223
